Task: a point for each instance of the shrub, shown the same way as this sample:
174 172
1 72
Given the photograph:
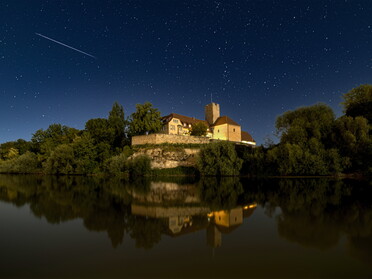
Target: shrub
219 159
61 160
25 163
199 129
116 164
139 166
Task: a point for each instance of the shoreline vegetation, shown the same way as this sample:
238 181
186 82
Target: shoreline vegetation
312 143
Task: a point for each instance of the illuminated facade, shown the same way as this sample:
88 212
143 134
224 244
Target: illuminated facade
218 127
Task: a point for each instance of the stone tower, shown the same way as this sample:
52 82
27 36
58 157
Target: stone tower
212 112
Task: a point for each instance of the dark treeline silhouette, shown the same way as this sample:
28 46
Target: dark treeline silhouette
312 142
103 146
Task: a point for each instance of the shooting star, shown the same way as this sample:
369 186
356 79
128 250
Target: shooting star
70 47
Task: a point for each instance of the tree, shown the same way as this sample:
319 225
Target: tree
21 145
358 102
199 129
45 142
219 159
84 154
100 131
302 124
352 137
117 123
61 160
145 120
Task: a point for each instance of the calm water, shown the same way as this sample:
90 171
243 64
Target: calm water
87 227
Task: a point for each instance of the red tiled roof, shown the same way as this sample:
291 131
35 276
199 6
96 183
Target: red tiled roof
225 120
247 137
183 119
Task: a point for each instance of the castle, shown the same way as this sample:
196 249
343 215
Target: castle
218 127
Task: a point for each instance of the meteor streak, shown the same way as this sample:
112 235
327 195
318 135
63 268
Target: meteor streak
70 47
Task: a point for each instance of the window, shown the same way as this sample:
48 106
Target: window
234 130
175 120
172 128
218 131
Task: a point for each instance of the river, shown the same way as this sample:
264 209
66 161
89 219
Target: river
87 227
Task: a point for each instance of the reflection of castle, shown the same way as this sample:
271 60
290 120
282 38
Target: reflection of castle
225 221
188 219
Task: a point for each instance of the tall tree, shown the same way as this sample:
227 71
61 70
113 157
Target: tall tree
302 124
145 120
99 130
45 142
117 122
358 102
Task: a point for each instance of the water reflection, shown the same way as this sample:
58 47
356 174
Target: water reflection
315 213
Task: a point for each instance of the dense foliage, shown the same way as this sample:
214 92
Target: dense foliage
312 142
103 146
199 129
358 102
219 159
145 120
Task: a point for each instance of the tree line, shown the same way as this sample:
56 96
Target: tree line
102 146
312 142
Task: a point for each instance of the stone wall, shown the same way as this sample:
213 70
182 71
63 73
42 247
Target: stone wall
164 138
161 158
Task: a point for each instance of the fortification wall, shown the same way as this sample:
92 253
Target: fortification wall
162 158
165 138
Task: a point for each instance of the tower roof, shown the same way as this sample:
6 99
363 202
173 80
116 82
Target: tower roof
224 120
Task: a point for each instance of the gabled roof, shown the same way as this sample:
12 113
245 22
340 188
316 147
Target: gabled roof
225 120
247 137
183 119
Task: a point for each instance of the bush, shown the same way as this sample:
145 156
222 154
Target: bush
26 163
199 129
219 159
139 166
117 164
61 160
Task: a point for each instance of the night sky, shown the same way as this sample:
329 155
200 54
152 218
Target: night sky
256 59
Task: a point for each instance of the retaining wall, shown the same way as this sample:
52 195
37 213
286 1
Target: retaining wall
165 138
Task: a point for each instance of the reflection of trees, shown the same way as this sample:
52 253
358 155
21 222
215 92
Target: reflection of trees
146 231
316 212
220 193
59 199
361 248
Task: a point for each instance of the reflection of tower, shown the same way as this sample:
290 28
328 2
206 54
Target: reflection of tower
226 221
214 237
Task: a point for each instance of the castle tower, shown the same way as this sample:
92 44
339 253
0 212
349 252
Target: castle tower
212 112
